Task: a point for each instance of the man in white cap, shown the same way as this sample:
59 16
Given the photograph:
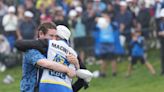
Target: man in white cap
124 18
10 23
27 27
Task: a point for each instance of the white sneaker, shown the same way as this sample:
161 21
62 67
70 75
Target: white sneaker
2 67
8 79
96 74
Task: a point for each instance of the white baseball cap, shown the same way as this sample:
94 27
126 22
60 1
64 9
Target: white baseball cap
102 22
129 0
28 14
162 13
79 9
123 3
72 13
97 0
11 9
63 32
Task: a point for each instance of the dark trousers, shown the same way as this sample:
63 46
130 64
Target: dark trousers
2 58
157 24
162 56
36 89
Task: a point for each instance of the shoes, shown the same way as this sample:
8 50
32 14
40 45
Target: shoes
114 74
2 67
162 73
8 79
96 74
103 75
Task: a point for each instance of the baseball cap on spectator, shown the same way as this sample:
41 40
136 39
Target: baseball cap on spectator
79 9
102 22
11 9
129 0
123 3
162 13
72 13
28 14
63 32
97 0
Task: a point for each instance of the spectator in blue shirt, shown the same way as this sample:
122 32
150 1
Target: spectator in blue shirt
137 52
119 47
104 44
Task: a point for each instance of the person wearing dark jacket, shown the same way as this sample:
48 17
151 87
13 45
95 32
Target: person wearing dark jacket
161 37
144 19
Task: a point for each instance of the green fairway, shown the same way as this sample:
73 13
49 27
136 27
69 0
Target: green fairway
140 81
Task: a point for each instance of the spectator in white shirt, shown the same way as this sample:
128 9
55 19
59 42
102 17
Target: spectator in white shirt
10 23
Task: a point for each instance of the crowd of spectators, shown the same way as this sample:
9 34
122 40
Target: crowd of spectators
19 19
